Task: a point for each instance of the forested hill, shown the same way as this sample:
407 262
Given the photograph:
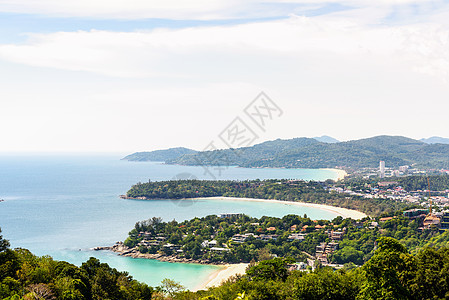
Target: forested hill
394 150
159 155
310 153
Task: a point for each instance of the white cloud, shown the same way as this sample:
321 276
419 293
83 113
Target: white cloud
101 90
216 52
179 9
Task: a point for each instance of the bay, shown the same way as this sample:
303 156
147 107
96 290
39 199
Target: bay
64 205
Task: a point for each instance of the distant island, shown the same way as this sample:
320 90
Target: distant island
310 153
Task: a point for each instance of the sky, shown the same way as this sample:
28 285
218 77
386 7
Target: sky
126 76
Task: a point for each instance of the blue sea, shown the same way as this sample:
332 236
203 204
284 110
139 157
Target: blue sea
64 205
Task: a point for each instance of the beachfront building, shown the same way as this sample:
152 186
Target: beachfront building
336 235
209 244
267 237
218 249
240 238
297 236
323 250
230 215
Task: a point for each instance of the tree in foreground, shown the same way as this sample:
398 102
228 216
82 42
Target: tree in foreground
389 273
24 276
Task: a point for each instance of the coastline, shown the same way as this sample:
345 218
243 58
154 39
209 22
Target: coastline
341 173
228 270
120 249
344 212
224 272
222 275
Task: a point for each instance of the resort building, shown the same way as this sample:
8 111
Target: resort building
381 169
296 236
416 212
229 215
430 220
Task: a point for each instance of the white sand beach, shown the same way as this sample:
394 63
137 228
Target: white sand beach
344 212
222 275
341 173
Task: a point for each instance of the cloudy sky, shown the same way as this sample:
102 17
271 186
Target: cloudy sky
124 76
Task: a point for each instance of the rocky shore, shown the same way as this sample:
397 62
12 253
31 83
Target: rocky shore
133 198
123 250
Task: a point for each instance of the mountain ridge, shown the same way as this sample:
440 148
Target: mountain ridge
435 140
326 139
310 153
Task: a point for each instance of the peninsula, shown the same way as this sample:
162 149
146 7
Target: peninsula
237 238
297 191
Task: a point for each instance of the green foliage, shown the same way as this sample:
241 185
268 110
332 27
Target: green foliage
324 283
171 287
356 246
438 183
273 269
34 277
392 273
414 183
309 153
349 254
301 191
4 244
388 272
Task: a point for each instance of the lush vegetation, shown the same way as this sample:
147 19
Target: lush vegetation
26 276
414 183
391 273
287 190
309 153
275 236
438 183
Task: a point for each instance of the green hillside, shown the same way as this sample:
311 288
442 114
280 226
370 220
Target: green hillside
308 153
159 155
266 151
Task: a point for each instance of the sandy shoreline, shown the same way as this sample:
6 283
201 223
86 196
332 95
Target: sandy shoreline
221 275
344 212
341 173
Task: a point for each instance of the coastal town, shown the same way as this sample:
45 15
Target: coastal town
224 150
234 238
384 171
382 183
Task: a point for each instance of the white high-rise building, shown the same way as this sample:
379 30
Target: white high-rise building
382 169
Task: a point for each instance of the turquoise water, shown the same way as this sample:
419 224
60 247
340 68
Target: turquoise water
64 205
